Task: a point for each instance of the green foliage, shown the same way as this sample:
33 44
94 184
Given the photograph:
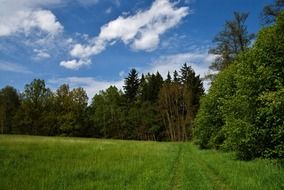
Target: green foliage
210 118
131 86
245 103
107 113
30 118
70 108
150 87
9 104
270 116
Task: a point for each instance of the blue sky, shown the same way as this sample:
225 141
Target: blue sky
94 43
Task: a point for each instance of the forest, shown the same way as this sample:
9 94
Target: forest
243 111
149 108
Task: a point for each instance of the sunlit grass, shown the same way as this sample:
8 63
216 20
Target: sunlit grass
76 163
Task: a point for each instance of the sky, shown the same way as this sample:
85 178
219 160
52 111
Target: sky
94 43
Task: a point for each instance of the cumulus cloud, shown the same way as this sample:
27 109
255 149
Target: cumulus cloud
25 16
75 64
91 85
141 31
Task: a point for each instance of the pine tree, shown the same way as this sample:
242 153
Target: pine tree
131 85
169 78
176 77
193 86
142 88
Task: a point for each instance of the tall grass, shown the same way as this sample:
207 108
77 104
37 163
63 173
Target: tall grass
76 163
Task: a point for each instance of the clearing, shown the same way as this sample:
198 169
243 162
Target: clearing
28 162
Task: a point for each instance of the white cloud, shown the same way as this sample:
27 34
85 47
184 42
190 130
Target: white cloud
75 64
91 85
141 31
41 54
26 15
13 67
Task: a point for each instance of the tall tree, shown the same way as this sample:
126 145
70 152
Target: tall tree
70 107
169 78
176 77
9 103
131 85
35 103
270 12
107 113
232 40
151 87
178 103
170 102
193 88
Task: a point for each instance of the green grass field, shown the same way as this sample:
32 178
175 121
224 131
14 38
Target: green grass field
76 163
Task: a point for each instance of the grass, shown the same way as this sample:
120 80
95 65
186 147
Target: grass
76 163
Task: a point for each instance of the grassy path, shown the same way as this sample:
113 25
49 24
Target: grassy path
212 176
76 163
177 172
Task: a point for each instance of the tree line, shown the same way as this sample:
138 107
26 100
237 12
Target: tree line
148 108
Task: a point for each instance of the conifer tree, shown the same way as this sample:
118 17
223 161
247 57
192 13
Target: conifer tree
131 85
169 78
176 77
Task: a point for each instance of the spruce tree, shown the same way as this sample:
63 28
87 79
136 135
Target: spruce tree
169 78
176 77
131 85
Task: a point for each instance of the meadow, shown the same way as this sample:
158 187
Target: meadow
34 162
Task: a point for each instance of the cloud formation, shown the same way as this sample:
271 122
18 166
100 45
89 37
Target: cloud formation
27 16
74 64
141 31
